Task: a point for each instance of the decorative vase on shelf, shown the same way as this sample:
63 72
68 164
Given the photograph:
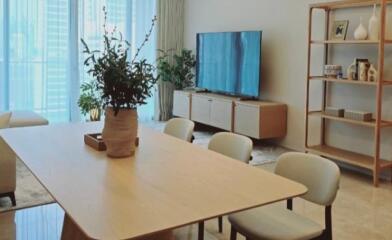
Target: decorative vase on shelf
120 132
352 71
372 74
361 32
363 71
374 26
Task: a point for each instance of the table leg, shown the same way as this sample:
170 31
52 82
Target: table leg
71 231
166 235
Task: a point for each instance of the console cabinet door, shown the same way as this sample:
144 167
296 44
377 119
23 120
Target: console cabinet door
222 114
247 120
182 104
201 108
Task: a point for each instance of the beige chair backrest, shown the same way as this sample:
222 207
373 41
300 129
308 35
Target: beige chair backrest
180 128
321 176
232 145
5 119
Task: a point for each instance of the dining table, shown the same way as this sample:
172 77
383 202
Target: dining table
168 183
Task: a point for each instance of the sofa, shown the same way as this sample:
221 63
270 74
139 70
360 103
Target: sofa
7 157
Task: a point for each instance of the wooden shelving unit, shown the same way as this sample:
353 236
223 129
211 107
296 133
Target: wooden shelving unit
373 162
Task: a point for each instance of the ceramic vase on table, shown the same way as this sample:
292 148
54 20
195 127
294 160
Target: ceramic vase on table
374 26
360 32
120 132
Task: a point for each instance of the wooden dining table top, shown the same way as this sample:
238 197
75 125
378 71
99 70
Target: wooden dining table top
168 183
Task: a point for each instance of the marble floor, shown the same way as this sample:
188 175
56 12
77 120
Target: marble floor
360 212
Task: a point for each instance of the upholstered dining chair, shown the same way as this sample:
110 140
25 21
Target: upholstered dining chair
232 145
180 128
7 164
5 119
320 176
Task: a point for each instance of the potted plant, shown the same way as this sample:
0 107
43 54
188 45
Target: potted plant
90 101
181 71
124 84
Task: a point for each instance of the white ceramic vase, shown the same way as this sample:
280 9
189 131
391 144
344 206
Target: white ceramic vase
361 32
374 26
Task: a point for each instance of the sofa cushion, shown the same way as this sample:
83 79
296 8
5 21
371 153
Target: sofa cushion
5 119
26 119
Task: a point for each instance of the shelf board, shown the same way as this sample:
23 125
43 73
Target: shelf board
349 157
372 42
371 124
336 80
346 81
347 4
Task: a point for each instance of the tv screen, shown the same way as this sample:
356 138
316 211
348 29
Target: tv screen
229 62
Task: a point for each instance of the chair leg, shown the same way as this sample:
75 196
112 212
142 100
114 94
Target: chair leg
13 200
233 233
328 222
201 231
220 224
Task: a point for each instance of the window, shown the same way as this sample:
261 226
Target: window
38 57
36 54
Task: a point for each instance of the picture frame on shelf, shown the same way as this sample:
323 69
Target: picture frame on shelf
339 30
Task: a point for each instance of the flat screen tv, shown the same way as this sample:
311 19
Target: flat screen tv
229 62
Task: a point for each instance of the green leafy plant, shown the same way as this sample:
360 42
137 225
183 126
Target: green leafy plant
181 71
123 83
90 98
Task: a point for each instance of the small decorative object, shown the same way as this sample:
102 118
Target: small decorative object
357 63
90 101
124 84
332 70
95 141
361 32
374 26
340 75
339 30
358 115
352 71
363 71
372 74
335 112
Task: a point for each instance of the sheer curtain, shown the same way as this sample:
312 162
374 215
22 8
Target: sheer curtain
132 18
35 47
41 64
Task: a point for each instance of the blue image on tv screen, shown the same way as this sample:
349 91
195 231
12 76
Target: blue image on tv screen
229 62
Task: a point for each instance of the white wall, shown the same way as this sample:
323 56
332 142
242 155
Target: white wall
284 24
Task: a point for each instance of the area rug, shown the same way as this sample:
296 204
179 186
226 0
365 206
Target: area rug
30 193
263 152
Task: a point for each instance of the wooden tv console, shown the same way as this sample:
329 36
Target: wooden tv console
256 119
